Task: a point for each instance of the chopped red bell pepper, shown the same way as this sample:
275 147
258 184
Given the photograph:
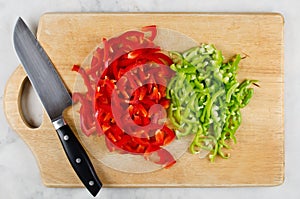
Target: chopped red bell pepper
126 64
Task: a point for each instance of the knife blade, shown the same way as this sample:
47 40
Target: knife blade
55 98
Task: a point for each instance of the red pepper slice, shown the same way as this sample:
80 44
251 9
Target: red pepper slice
152 29
166 158
169 135
86 79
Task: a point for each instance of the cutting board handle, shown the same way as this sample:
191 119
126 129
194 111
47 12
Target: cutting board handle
12 102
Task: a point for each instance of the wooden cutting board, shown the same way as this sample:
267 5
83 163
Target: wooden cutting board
258 157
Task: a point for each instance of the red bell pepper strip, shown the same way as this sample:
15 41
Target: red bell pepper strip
152 29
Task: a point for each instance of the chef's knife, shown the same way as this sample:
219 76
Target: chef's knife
55 99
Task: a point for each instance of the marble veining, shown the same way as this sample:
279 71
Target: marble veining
19 173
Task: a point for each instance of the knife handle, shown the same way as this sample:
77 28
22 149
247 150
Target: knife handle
79 159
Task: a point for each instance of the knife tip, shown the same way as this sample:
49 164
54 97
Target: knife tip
19 27
20 21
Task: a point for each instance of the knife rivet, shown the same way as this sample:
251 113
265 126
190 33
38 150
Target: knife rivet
66 137
78 160
91 183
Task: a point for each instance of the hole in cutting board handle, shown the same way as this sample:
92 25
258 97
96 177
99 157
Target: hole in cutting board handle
30 106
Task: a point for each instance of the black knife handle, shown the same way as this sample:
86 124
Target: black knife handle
79 159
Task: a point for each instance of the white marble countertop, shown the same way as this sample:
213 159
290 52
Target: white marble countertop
19 173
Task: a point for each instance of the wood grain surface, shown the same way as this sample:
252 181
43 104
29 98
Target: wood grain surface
258 157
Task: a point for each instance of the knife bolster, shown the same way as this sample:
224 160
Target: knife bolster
58 123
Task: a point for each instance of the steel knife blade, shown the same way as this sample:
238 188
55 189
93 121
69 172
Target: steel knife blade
55 98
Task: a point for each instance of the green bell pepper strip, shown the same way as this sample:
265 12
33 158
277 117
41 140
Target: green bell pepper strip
231 91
